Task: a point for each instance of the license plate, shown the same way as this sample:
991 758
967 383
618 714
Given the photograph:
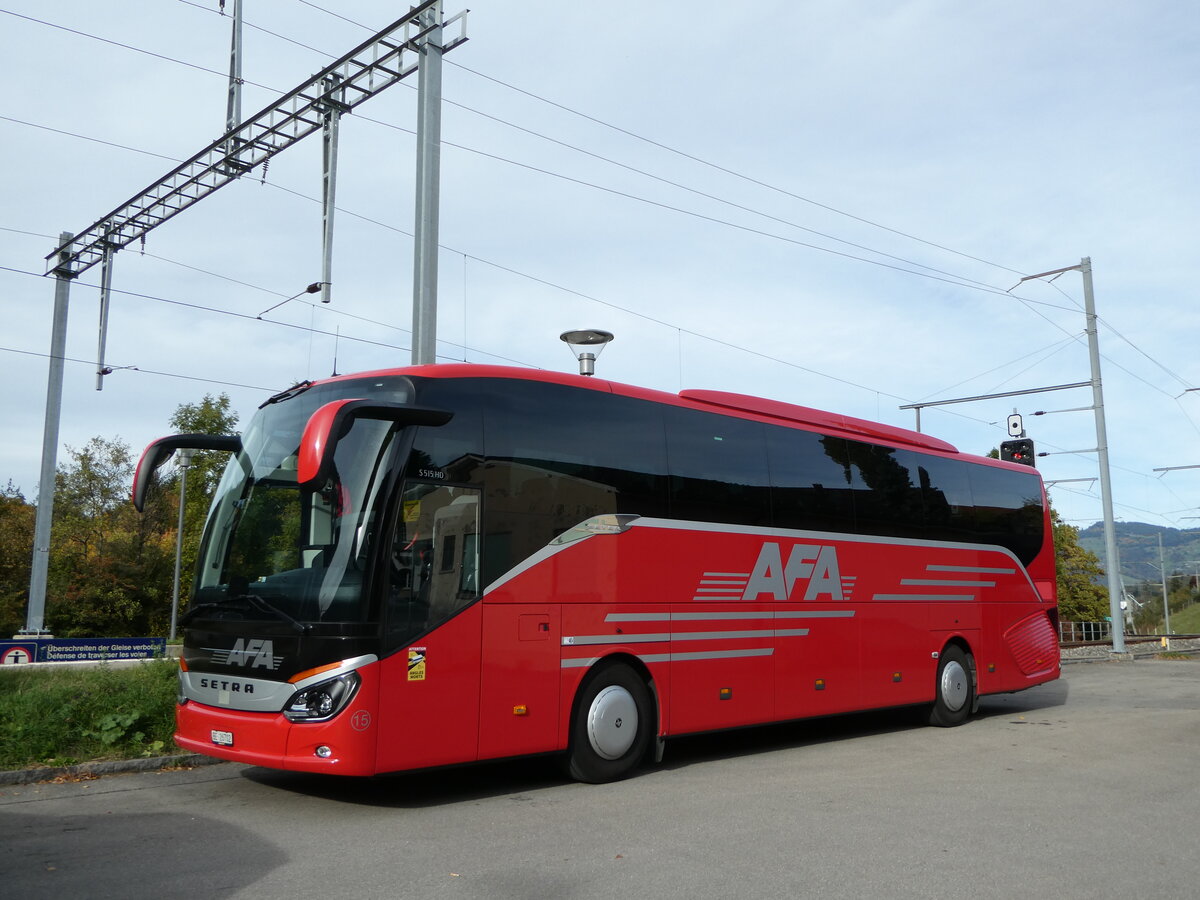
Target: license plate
223 738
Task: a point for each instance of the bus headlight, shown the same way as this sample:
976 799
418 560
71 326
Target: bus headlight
323 701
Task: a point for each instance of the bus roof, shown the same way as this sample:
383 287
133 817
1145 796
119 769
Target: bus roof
817 419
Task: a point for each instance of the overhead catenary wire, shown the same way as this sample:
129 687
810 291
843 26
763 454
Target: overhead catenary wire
960 281
521 274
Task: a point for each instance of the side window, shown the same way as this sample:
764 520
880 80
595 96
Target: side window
1009 509
434 560
949 506
452 452
811 481
887 491
558 455
718 467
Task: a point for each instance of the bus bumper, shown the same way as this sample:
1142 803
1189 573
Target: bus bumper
345 745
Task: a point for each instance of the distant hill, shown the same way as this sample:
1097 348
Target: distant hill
1137 547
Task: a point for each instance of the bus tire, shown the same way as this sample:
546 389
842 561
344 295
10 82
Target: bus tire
954 690
612 725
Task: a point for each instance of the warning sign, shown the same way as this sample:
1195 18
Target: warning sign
416 663
16 654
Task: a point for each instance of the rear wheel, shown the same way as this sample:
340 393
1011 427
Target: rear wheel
954 690
612 725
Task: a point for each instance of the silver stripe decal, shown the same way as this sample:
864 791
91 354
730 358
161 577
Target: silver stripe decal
720 654
723 635
586 662
736 614
940 582
581 639
907 597
786 534
982 570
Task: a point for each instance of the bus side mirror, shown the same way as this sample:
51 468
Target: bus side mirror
333 421
158 452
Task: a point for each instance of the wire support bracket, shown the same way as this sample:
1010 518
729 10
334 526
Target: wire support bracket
373 66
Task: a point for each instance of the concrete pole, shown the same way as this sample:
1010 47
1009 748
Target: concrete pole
429 152
1112 561
40 565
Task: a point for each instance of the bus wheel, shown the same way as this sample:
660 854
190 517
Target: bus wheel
955 689
611 729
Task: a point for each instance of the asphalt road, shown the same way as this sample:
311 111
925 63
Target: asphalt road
1087 787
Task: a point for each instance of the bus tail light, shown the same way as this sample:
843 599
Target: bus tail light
321 702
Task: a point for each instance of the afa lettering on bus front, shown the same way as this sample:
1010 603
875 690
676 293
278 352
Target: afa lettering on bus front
777 574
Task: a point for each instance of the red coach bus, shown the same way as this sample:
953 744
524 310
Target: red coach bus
443 564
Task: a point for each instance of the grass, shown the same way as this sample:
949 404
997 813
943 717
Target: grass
1186 621
62 716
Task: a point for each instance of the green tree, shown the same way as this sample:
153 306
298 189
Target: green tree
16 548
1081 595
212 415
110 569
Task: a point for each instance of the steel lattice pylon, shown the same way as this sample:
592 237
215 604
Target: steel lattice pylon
371 67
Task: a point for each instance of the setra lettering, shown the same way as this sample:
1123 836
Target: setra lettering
234 687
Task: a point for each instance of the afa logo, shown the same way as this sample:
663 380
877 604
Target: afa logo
813 565
255 653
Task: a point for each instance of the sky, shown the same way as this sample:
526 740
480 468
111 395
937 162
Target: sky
816 201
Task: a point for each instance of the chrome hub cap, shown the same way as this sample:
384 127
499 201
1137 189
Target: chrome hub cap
612 722
955 686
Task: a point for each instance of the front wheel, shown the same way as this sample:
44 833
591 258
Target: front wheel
612 724
954 690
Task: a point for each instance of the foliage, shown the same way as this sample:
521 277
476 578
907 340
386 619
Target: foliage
16 549
1081 595
59 716
211 415
111 569
1148 608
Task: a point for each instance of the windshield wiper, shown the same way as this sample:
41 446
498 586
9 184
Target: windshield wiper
193 611
294 390
263 606
242 600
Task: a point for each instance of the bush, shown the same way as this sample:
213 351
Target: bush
62 716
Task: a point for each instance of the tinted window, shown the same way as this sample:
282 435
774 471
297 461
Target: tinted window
718 468
433 567
811 481
1009 510
949 507
557 455
886 490
453 452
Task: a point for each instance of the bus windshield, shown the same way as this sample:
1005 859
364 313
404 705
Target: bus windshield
275 549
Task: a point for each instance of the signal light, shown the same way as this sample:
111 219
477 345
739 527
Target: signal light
1020 451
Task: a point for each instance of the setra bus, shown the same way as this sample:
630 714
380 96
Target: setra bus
442 564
